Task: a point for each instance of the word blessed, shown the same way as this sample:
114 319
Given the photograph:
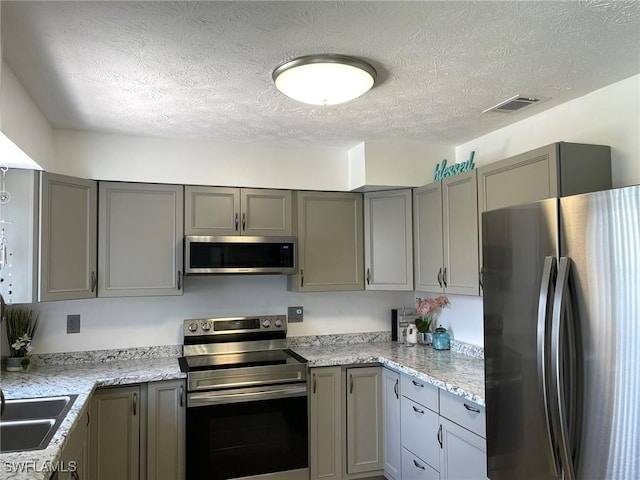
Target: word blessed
442 171
40 467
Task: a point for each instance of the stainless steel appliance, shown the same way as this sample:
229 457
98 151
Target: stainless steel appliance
247 400
562 335
239 254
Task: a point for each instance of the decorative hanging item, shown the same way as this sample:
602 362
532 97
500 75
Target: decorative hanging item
5 255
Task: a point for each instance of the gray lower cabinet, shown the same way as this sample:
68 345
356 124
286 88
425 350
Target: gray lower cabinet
138 432
115 433
166 416
75 456
140 239
325 432
68 233
329 227
364 420
391 442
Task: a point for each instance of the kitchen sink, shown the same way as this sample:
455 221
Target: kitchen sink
30 423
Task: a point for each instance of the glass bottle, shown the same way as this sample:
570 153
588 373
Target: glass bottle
441 339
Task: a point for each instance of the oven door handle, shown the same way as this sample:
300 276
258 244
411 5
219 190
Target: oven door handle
202 399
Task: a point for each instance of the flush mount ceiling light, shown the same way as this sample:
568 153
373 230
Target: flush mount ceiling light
324 79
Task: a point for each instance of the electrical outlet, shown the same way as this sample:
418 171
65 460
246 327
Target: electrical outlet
73 323
294 314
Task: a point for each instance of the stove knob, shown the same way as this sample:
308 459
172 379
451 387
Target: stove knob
206 326
266 323
193 327
278 323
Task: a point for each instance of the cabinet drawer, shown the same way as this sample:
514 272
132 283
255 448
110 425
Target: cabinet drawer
415 469
419 431
463 412
419 391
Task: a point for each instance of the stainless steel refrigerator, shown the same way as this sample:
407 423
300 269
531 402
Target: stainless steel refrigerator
561 296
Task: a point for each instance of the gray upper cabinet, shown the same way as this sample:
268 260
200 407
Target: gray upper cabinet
237 211
68 238
140 239
446 236
388 234
329 227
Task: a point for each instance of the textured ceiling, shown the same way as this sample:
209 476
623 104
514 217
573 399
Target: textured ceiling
203 69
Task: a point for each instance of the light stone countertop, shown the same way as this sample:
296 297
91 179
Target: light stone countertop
455 372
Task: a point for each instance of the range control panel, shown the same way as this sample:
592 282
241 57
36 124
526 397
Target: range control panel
222 326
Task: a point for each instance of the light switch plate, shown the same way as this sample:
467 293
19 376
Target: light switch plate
294 314
73 323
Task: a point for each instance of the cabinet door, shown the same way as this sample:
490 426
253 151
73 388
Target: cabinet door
391 445
414 468
211 211
427 230
140 244
330 242
325 436
68 231
364 419
115 433
166 414
388 233
75 456
463 453
265 212
460 234
419 427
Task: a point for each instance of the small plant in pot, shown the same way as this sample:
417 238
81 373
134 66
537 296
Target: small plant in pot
21 324
427 309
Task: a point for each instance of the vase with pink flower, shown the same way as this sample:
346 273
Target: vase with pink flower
427 310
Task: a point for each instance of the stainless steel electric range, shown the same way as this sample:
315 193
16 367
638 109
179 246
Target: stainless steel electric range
247 400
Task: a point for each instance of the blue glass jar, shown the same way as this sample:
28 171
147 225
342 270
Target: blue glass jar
441 339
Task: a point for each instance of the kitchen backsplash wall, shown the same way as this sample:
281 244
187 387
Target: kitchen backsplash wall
108 323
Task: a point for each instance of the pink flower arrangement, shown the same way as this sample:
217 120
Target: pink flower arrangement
427 308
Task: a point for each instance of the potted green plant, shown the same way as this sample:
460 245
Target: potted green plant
21 324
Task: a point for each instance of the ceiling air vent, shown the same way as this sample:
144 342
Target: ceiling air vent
514 104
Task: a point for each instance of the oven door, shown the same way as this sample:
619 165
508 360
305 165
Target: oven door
248 433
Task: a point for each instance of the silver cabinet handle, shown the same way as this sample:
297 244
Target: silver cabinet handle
94 281
244 221
179 279
417 410
301 278
236 223
471 409
181 396
368 276
440 277
444 277
440 435
88 418
417 384
480 275
315 383
350 383
395 389
135 404
418 465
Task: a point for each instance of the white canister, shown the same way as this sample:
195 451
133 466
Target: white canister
412 333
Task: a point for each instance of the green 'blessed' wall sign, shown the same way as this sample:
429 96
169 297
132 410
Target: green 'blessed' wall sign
442 171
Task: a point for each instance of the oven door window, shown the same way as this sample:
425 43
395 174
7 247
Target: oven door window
248 438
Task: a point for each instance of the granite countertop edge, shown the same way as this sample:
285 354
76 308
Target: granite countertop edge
454 372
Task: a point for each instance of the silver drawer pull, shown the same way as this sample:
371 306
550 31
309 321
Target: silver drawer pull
417 384
471 409
418 465
417 410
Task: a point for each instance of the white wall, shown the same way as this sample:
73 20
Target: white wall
609 116
130 322
26 134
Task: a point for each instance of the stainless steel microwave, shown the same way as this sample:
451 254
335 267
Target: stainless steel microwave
239 254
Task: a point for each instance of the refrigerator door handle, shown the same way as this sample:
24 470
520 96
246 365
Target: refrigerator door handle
563 409
543 328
